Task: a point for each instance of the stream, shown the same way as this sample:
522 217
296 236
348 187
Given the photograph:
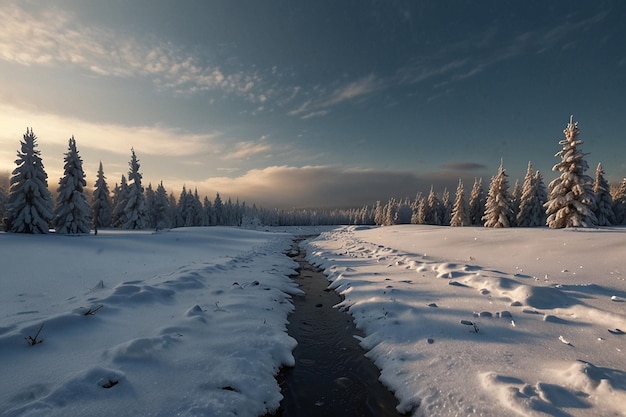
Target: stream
332 377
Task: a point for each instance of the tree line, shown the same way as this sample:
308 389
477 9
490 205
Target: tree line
572 200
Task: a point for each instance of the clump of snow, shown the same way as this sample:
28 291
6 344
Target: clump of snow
491 322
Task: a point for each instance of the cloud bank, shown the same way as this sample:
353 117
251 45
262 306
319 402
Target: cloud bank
324 186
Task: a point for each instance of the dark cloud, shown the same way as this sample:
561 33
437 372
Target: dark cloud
463 166
332 186
324 186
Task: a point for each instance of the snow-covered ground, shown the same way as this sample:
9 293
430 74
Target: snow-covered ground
187 322
191 322
490 322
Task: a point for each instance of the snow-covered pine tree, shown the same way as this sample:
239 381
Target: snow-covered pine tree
542 195
460 209
207 211
477 203
571 202
183 209
619 202
446 208
196 208
419 211
434 209
161 208
150 197
531 212
29 204
135 209
498 210
604 202
101 209
379 213
71 215
218 210
172 210
120 199
516 196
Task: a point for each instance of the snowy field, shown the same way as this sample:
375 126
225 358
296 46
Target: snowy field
191 322
490 322
187 322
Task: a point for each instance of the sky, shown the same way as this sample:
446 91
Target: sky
313 103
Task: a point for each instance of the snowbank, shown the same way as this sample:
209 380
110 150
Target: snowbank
190 322
491 322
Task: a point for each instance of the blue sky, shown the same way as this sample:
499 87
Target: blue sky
313 103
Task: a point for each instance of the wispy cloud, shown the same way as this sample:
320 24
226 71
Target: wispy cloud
247 149
451 63
55 38
352 91
97 139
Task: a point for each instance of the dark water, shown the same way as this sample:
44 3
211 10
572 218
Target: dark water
332 377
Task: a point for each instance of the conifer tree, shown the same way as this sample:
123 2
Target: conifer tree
477 203
207 212
446 208
120 199
619 203
571 202
71 215
460 209
196 208
516 196
420 211
531 212
379 214
173 210
604 202
498 210
161 208
183 217
149 197
135 209
434 209
218 210
542 194
29 204
101 209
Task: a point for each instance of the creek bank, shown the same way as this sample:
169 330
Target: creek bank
332 377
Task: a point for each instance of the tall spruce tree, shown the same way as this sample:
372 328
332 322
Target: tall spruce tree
101 208
71 215
498 210
218 210
434 209
619 202
531 212
29 204
161 208
150 197
135 209
120 198
460 209
446 208
477 203
604 202
571 202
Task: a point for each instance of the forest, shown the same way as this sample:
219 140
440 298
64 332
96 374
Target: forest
573 199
